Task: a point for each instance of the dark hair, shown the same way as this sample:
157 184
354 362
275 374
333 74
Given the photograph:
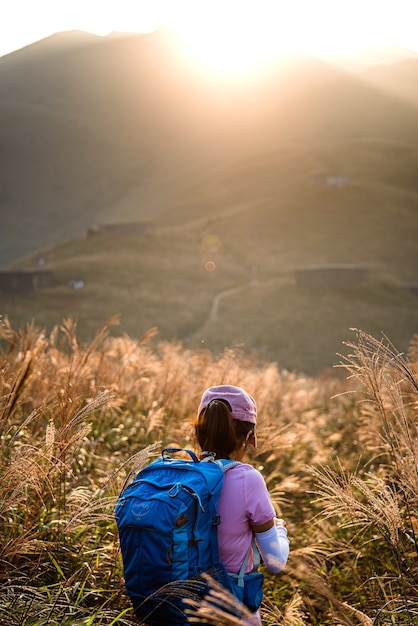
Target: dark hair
217 431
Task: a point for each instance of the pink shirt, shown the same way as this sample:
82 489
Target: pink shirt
244 501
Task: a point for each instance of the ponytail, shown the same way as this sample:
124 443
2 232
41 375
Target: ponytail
216 429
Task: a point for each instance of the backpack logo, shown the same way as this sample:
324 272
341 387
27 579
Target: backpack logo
139 509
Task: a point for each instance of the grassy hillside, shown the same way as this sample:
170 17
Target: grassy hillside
96 129
256 244
240 173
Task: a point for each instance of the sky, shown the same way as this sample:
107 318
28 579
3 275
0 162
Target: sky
218 32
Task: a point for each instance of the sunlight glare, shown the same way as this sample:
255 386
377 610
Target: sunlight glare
229 37
235 36
225 35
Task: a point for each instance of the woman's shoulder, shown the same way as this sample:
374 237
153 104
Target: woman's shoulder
249 473
250 484
246 467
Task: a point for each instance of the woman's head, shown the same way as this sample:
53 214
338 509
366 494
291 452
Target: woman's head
226 422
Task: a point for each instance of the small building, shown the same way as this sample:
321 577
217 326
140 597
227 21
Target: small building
327 180
24 281
410 288
123 228
337 274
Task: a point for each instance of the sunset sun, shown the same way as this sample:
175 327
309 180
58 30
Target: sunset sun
240 35
230 37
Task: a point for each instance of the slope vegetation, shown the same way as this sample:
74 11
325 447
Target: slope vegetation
303 164
127 128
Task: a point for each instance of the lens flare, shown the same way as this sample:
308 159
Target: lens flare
210 266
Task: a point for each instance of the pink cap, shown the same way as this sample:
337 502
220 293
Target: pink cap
243 406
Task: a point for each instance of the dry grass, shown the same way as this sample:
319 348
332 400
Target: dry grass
77 421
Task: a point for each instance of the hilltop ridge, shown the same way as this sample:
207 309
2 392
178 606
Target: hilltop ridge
243 181
93 123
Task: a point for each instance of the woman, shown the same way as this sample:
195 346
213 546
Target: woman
226 425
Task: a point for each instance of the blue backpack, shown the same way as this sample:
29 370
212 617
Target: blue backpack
167 522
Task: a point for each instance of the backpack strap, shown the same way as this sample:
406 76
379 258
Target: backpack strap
226 464
257 559
168 451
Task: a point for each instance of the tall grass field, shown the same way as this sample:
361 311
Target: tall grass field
339 453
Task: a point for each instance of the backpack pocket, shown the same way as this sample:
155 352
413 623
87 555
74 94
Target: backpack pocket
249 589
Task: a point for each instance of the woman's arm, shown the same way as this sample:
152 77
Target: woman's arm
273 544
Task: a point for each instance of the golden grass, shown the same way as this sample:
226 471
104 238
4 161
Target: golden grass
78 421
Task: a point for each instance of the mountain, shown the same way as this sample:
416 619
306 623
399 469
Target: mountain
244 182
121 128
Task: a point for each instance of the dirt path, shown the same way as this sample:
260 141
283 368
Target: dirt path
213 315
214 310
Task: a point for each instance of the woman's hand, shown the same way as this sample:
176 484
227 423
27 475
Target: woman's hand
278 522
